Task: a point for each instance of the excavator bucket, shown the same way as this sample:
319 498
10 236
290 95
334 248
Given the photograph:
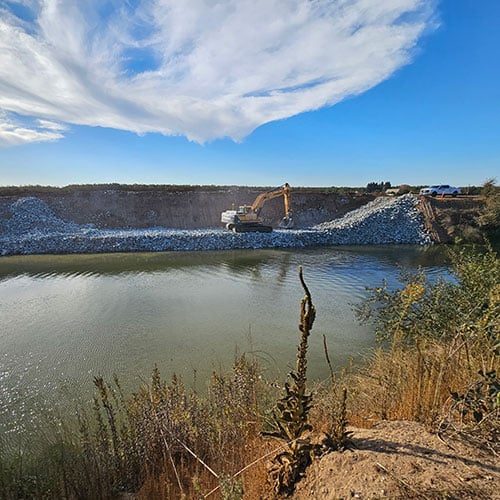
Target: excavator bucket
286 223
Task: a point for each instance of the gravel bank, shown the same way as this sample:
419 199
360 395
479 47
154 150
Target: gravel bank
30 227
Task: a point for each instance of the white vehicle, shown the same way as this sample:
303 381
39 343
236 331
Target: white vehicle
441 190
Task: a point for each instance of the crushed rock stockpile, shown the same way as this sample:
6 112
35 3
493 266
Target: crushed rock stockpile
31 227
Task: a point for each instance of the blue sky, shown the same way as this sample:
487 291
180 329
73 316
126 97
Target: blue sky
260 92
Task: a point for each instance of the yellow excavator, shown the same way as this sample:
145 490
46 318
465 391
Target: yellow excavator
247 217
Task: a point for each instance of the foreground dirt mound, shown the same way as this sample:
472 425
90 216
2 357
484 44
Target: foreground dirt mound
401 460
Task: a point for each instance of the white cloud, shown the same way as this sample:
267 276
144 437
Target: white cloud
48 125
14 133
205 68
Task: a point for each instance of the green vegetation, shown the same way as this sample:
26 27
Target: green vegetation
71 188
37 189
489 219
437 363
441 352
378 187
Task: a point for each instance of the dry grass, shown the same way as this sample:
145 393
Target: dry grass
444 377
162 442
410 383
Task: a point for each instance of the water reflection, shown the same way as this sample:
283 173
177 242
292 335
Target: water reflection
233 260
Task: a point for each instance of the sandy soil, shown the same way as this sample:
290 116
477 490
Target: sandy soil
401 460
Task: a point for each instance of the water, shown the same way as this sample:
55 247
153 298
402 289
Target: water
66 319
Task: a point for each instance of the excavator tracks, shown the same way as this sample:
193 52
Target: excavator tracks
247 228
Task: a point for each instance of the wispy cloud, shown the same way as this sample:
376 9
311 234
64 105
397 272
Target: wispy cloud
14 133
204 69
48 125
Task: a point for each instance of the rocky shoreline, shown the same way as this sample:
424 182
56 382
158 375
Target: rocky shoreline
31 227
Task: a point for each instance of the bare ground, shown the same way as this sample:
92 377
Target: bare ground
401 460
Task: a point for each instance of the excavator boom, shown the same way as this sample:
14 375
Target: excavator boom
281 191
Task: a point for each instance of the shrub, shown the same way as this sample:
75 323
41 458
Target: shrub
440 335
162 442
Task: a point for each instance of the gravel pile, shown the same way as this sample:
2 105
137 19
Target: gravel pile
30 227
382 221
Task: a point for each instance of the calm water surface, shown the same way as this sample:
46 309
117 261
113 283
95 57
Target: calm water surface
66 319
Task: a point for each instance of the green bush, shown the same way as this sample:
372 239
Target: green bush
442 337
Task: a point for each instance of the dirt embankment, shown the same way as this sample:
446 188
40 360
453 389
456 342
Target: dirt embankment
180 207
450 219
402 460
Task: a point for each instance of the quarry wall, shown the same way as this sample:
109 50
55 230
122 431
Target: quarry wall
180 207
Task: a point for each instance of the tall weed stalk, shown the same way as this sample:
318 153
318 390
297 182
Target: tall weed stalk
291 415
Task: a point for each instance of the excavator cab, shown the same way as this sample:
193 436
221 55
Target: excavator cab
244 210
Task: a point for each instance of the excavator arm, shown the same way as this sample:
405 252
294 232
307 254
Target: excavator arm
269 195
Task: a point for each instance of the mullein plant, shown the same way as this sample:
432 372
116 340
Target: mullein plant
290 416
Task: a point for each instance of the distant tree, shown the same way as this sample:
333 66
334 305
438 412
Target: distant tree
490 216
377 187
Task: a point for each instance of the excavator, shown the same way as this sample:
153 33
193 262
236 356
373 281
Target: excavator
247 218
